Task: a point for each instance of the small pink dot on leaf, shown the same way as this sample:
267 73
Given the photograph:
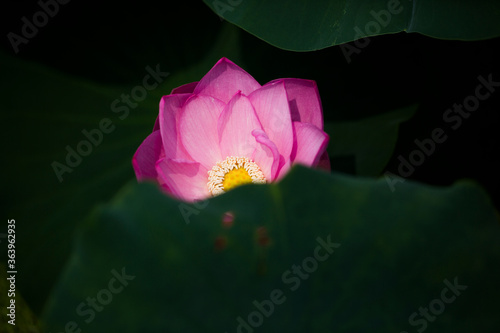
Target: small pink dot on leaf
228 219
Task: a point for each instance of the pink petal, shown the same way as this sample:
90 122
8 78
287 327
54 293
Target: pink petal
186 180
146 156
197 129
224 80
170 108
235 127
271 105
304 101
185 89
311 143
266 155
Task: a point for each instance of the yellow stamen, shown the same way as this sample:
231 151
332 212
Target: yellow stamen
233 172
236 177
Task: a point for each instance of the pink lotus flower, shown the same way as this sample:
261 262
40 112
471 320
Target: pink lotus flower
227 130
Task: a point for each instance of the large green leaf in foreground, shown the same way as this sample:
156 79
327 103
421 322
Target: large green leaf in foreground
312 25
148 263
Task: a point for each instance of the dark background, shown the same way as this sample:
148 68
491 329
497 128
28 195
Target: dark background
111 42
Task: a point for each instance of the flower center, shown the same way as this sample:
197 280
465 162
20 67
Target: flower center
233 172
236 177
